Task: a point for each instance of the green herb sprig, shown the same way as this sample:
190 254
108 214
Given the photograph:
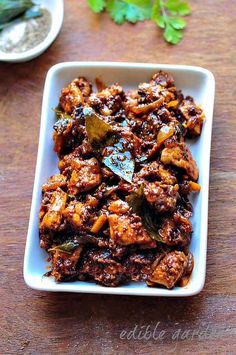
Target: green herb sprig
167 14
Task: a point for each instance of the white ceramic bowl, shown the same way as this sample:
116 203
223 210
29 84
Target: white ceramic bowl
56 8
194 81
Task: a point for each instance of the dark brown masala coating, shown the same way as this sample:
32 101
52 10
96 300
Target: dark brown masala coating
98 225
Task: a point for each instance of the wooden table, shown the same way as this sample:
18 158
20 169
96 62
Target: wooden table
45 323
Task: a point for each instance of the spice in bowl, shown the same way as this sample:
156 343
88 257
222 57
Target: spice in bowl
23 27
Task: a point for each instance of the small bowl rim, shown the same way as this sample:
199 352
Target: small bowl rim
42 46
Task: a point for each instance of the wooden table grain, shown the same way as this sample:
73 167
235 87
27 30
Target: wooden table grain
33 322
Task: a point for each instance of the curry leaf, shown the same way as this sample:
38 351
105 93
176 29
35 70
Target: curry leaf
136 199
100 134
60 114
10 9
71 245
121 163
31 13
150 220
67 247
96 128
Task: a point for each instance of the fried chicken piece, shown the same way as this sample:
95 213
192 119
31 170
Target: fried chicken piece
127 229
147 131
69 132
86 174
146 107
188 271
85 86
193 116
162 197
179 155
169 270
71 96
166 132
76 213
118 207
157 171
62 130
108 101
153 91
134 143
55 181
99 265
150 96
142 101
138 265
163 78
66 161
53 217
64 265
187 187
176 230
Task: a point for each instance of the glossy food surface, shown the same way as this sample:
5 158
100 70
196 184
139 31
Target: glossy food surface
118 211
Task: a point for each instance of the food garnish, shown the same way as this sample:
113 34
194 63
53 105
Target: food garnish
167 14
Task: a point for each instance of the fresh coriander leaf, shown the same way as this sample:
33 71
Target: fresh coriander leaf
164 12
140 3
177 23
136 13
143 6
172 5
97 5
184 9
172 35
156 10
122 10
117 11
160 21
178 7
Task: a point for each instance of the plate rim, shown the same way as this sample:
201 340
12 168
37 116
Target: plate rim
63 287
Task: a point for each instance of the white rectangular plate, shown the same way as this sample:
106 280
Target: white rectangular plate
194 81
